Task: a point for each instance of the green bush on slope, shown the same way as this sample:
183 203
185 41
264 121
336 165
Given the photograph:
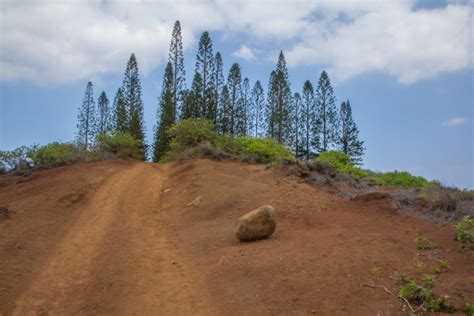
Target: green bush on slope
196 137
341 163
106 146
189 133
117 145
464 230
54 154
258 150
401 179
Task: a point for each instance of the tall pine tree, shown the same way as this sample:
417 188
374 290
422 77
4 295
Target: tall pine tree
204 67
121 123
177 65
104 123
257 110
225 112
193 100
217 83
234 85
187 110
348 134
270 107
327 114
167 115
297 118
86 125
308 120
242 111
198 110
132 93
282 103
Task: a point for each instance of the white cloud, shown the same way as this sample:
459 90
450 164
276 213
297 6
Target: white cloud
244 52
56 42
410 45
453 122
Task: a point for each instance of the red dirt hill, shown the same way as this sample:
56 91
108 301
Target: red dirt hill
124 237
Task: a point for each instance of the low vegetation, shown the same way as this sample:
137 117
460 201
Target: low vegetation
341 163
55 154
439 197
469 309
193 138
443 266
428 280
401 179
118 145
422 296
418 291
464 230
423 243
106 146
258 150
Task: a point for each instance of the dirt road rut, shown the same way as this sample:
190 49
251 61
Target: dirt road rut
118 258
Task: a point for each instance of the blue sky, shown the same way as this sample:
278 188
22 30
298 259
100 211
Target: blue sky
405 65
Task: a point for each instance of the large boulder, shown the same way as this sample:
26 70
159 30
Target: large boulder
257 224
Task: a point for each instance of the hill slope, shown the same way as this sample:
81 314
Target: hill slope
135 238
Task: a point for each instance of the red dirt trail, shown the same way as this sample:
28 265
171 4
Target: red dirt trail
133 238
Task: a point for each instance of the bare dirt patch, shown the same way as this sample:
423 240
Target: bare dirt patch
324 248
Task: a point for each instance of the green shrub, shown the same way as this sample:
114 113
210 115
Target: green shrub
117 145
54 154
229 144
419 295
464 230
444 264
469 309
423 243
335 158
264 150
341 163
400 179
193 138
189 133
258 150
428 280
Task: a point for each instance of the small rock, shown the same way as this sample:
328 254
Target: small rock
194 202
257 224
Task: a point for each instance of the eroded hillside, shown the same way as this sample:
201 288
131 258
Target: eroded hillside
135 238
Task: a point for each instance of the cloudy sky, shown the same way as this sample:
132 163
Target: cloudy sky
405 65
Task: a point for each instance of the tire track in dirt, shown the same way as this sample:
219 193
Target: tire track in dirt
119 258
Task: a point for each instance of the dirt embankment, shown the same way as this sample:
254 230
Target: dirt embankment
137 238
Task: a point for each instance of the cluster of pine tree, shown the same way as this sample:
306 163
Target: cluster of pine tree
125 116
309 123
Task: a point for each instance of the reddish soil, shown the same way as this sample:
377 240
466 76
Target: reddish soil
124 237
